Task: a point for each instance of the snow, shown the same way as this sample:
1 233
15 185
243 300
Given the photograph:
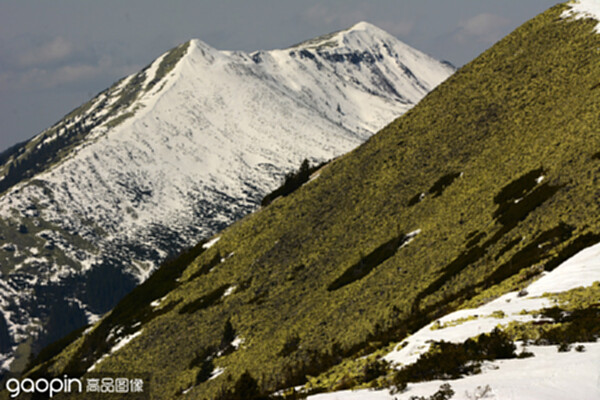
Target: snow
229 291
6 361
582 269
211 243
549 375
123 342
158 302
584 9
410 237
216 372
237 342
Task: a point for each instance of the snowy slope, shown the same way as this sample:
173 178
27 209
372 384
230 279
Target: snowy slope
548 375
185 147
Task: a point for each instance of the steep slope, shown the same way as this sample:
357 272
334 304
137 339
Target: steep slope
176 152
490 180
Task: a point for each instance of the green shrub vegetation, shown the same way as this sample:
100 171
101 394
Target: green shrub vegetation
574 319
453 360
354 372
167 64
522 109
293 180
445 392
441 325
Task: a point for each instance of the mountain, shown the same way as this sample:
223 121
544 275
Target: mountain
175 153
489 183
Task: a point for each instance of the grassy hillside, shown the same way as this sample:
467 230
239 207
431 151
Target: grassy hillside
495 172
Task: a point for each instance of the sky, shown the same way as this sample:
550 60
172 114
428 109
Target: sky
56 55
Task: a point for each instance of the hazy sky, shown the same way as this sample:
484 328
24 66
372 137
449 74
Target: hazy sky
55 55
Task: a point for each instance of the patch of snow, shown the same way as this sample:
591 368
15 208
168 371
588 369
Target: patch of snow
126 340
579 9
34 260
142 270
216 372
211 243
98 362
59 272
583 269
229 291
157 302
91 317
410 237
118 346
11 247
6 360
237 342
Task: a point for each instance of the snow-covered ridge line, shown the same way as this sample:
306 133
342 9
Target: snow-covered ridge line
584 9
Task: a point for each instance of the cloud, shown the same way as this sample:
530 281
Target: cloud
50 52
485 28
